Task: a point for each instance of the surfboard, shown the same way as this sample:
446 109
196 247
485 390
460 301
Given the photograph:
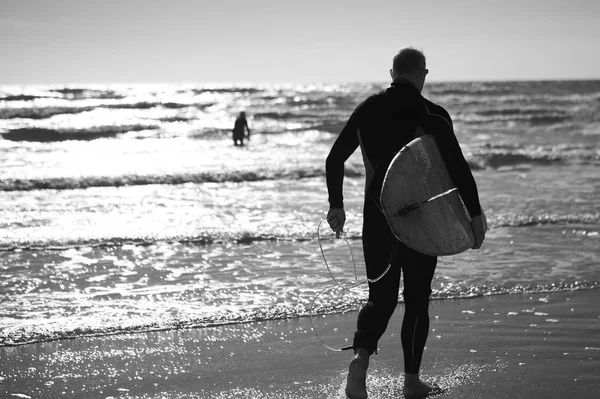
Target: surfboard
421 204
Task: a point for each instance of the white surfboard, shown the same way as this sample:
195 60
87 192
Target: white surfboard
422 206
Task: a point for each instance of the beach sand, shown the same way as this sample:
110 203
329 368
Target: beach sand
505 346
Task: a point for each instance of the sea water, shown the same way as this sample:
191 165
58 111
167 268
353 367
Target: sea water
127 207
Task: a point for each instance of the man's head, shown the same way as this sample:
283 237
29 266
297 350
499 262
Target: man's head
410 64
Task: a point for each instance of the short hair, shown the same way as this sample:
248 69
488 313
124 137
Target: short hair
409 60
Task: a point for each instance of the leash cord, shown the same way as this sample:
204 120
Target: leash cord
345 286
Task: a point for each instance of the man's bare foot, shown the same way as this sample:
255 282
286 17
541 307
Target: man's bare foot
416 387
356 383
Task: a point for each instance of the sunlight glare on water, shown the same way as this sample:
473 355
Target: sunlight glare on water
163 223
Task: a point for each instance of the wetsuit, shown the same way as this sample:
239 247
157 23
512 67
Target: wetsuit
381 125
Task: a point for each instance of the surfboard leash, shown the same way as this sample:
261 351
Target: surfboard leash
345 286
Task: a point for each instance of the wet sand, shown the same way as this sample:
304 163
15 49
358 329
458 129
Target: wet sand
506 346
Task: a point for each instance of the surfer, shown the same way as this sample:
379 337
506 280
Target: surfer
239 129
381 125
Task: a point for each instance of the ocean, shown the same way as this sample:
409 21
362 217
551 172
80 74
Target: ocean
126 208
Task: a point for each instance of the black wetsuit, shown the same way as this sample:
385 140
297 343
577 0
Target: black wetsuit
381 125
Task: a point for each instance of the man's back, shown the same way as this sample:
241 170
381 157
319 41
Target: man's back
387 121
383 124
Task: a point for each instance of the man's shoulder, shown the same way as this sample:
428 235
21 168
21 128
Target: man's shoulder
435 109
372 101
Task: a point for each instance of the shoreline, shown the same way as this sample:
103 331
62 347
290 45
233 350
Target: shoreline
517 345
143 330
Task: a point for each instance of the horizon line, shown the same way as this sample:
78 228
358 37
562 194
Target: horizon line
242 83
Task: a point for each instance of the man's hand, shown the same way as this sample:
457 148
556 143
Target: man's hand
336 217
479 226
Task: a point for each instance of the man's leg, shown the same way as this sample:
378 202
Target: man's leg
378 246
418 273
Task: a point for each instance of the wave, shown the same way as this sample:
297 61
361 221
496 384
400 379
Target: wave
72 94
333 126
40 113
241 90
34 333
497 157
153 104
47 112
249 237
83 93
511 159
529 116
312 101
199 239
176 119
283 115
521 220
469 89
21 97
42 135
534 116
139 180
557 88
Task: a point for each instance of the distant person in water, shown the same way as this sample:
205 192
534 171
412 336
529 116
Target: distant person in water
239 130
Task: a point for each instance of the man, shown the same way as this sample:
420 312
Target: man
239 130
381 125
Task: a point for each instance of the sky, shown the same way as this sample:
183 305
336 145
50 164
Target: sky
291 41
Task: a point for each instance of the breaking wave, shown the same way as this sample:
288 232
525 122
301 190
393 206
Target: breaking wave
496 157
21 97
38 113
43 135
248 237
73 183
27 334
86 93
521 220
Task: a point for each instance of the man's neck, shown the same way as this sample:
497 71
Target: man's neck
404 82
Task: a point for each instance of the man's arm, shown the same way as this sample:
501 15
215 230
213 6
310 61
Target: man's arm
344 146
461 174
458 168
